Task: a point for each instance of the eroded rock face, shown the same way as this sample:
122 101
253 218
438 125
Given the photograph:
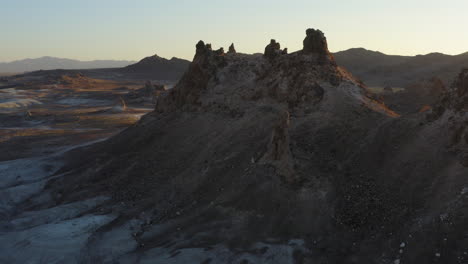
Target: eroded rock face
315 42
456 98
204 66
461 90
279 153
453 107
458 101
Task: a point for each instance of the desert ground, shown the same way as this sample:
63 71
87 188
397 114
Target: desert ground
45 113
42 117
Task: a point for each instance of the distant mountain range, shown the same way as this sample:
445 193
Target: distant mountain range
378 69
372 67
151 68
52 63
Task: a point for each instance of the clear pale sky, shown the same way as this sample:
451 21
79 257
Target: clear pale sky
131 30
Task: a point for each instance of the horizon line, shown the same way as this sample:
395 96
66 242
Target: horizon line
136 60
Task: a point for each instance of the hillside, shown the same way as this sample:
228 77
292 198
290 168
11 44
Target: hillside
378 69
266 158
155 67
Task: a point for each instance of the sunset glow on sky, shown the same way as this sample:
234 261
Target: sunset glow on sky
130 30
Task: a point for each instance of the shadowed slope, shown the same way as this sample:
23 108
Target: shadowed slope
250 148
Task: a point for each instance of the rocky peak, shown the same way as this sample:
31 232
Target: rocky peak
232 49
315 42
272 50
202 48
203 68
237 82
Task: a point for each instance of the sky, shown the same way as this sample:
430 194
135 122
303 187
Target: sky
133 29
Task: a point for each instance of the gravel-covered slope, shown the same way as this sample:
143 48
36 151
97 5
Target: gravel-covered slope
280 158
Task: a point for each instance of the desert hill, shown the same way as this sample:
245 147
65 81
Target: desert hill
275 157
378 69
155 67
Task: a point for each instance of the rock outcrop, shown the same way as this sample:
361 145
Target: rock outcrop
279 153
232 49
457 98
315 42
453 107
247 149
204 67
294 79
272 50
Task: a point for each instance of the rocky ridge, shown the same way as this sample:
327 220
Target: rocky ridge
281 148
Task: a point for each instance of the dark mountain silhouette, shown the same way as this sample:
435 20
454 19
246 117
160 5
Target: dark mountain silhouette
52 63
155 67
149 68
378 69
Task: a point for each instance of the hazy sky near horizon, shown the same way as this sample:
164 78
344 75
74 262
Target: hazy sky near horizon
131 30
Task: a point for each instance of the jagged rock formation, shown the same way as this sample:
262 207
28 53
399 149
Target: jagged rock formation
272 50
251 150
315 42
232 49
